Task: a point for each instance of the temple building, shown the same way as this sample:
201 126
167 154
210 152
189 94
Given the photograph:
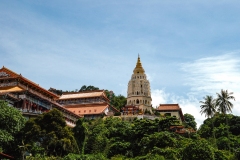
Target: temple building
88 104
29 97
139 98
171 110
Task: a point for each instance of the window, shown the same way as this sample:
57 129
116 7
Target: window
167 114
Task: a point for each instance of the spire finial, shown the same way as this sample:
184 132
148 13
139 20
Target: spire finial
138 68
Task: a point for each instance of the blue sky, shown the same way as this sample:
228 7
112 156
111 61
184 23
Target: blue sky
188 49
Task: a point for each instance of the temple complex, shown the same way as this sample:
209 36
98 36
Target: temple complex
32 100
88 104
139 98
29 97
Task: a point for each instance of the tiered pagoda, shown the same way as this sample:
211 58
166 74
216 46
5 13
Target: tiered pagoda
139 99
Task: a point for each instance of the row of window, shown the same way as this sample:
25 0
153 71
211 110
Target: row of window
138 102
80 100
85 111
137 77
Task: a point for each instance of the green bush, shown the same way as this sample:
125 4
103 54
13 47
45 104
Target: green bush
198 150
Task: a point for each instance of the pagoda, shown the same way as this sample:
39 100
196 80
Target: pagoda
139 99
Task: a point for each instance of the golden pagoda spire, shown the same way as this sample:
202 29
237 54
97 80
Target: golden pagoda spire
138 68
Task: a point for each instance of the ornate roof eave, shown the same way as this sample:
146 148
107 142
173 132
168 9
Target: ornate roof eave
20 77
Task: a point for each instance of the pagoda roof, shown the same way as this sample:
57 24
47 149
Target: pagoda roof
7 73
138 68
86 94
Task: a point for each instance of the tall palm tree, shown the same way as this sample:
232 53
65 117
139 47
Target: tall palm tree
208 108
223 102
224 105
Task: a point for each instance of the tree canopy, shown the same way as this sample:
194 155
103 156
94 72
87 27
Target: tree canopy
50 131
189 121
11 121
88 88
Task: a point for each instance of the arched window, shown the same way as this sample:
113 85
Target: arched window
137 101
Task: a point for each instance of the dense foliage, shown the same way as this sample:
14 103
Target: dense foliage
11 121
117 101
47 137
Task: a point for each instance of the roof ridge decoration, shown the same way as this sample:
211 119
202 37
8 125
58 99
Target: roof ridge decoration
12 74
5 72
82 92
170 104
138 68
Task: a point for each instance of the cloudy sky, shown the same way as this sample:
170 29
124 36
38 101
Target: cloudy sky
189 49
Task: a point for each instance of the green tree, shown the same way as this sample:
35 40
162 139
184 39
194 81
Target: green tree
11 122
117 101
51 132
190 121
224 104
97 141
88 88
80 133
208 108
198 150
234 124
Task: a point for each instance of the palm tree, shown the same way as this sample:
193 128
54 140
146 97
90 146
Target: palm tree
208 108
224 105
223 102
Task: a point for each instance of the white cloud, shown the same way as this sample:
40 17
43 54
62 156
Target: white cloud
189 105
212 74
205 76
159 97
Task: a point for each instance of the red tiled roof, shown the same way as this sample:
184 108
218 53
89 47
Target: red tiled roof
171 107
85 94
12 74
168 107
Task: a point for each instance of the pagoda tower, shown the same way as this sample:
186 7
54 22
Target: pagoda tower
139 93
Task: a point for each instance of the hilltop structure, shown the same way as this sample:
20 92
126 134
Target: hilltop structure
29 97
88 104
171 110
139 98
